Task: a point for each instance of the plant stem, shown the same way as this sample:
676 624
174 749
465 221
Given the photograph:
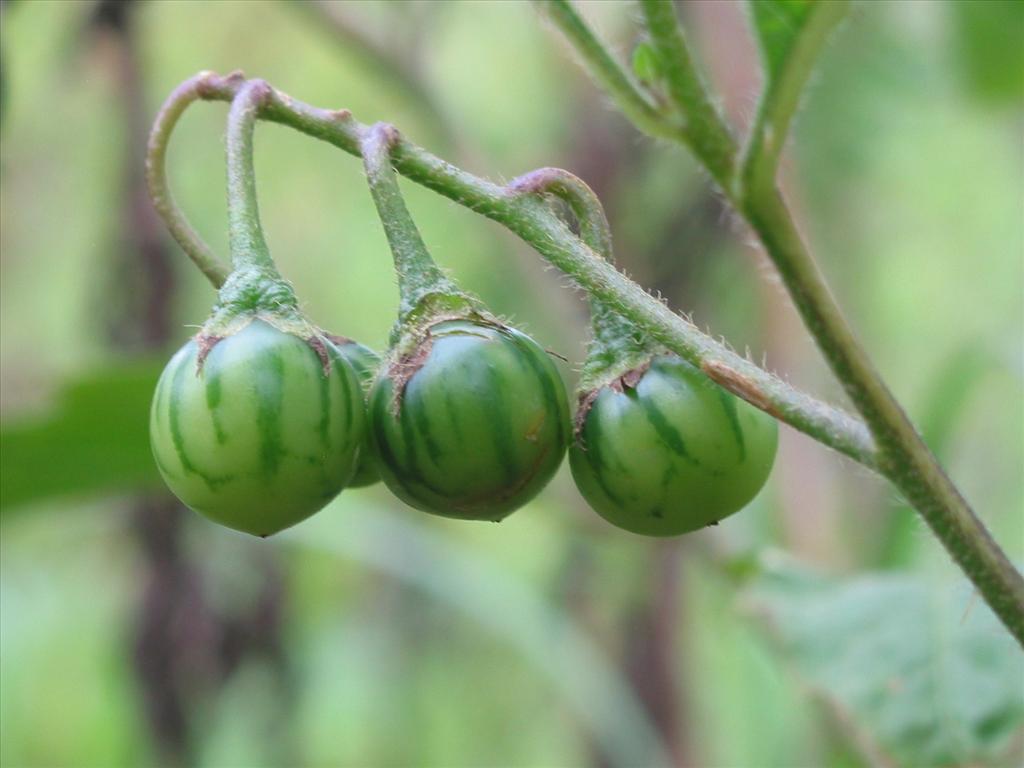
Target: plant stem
534 222
418 275
245 233
899 454
617 345
156 178
603 67
783 88
708 134
904 458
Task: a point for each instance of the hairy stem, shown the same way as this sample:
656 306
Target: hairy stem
708 134
617 345
245 233
898 453
418 275
536 223
609 74
904 458
156 178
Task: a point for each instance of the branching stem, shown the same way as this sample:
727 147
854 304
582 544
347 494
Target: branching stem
616 81
534 221
898 453
156 177
245 233
707 133
617 345
418 275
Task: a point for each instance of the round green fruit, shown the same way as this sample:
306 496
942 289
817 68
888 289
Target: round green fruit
479 426
672 452
364 362
263 433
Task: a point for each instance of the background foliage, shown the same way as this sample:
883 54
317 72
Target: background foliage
373 635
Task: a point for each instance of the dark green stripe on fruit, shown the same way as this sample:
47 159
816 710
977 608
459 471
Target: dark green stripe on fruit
408 473
177 385
504 443
212 376
729 406
177 437
337 363
418 410
270 396
323 427
452 409
409 438
666 432
594 451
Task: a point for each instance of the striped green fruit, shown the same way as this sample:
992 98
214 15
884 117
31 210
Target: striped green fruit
481 425
260 436
364 362
672 452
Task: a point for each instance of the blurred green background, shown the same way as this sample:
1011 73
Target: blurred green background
822 626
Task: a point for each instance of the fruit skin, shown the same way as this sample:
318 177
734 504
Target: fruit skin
481 426
364 362
260 436
671 453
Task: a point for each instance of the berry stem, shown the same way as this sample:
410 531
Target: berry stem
418 275
245 233
167 118
618 344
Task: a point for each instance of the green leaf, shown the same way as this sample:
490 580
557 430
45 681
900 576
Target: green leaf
95 440
791 34
989 42
922 673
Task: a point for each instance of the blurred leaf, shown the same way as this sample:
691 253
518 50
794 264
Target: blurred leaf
96 439
989 41
922 674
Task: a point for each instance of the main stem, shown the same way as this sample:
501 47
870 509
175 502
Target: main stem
905 458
